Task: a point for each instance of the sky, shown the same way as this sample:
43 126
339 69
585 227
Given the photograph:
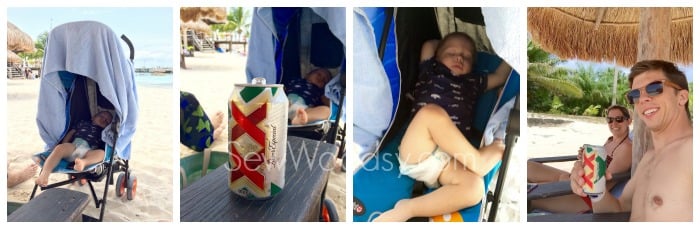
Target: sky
573 64
150 29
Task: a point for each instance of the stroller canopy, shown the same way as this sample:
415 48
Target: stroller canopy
93 50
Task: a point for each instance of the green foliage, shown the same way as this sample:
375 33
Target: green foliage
592 110
39 46
556 105
237 21
585 90
543 73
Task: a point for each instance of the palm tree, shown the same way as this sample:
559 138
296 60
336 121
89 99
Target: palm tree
239 18
237 21
39 46
542 72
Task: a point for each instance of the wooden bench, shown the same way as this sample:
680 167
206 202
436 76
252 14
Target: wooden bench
210 199
52 205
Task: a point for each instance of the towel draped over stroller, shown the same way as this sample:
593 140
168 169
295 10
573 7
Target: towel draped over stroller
93 50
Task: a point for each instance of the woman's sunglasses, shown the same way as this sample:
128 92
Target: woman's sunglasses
617 119
652 89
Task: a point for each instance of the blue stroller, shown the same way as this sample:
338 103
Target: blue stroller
85 71
290 42
386 68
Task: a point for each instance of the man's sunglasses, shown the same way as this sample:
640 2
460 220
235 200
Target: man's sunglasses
617 119
652 89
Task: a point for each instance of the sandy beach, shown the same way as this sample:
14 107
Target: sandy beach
210 77
151 155
557 135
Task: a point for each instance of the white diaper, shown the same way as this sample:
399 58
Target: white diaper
81 148
428 171
295 102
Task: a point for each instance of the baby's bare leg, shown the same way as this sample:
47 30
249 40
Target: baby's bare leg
318 113
301 117
91 157
460 188
59 152
433 127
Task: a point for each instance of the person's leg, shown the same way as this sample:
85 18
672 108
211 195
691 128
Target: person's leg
460 188
541 173
561 204
15 178
59 152
91 157
217 121
433 127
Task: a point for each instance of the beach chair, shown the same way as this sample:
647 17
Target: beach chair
389 59
561 188
197 133
86 71
289 42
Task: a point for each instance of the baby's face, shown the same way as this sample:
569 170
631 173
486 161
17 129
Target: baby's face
102 119
457 55
319 78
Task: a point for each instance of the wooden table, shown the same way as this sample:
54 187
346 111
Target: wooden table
52 205
590 217
210 199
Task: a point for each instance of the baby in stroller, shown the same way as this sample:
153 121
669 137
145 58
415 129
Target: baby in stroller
307 102
81 145
435 148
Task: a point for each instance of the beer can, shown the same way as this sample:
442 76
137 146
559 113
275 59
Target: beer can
257 139
594 167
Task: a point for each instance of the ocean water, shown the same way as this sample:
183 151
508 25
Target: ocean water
154 80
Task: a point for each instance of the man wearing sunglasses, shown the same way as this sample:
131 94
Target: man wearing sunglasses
661 188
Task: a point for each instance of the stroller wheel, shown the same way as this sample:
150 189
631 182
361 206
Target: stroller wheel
131 187
328 212
121 185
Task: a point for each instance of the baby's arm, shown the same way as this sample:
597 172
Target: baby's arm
69 136
428 49
498 78
326 101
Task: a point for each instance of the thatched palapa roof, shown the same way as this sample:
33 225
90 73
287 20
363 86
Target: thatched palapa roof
17 40
607 34
197 26
13 57
209 15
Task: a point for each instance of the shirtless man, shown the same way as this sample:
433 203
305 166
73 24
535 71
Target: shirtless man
661 188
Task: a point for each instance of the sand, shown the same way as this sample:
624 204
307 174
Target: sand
559 135
210 77
151 155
